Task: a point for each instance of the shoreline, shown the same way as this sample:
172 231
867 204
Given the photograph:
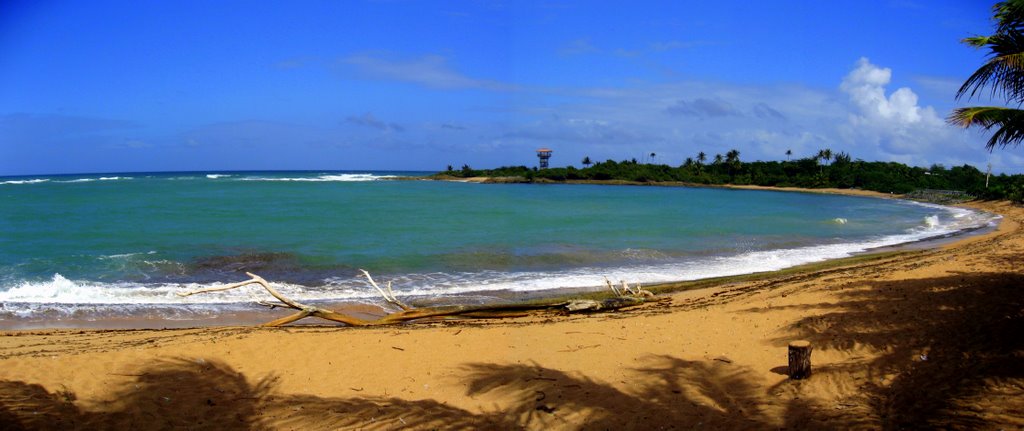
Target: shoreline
362 308
520 180
922 339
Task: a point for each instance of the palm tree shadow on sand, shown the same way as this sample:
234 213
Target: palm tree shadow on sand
184 394
666 393
969 327
669 393
952 349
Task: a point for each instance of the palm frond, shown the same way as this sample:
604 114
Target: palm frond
1009 15
976 41
1009 123
1003 73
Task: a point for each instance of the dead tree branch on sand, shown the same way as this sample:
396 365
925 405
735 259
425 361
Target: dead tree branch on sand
623 298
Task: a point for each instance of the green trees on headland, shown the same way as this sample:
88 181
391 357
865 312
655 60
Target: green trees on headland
809 172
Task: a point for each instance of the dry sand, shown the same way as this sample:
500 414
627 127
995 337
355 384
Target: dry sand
928 339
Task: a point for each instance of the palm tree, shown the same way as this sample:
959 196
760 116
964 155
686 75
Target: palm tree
825 154
1003 74
718 159
586 161
652 157
788 154
701 158
732 157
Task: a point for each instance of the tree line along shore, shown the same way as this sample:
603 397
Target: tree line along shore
936 183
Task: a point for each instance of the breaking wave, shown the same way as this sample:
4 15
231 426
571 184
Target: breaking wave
62 296
34 181
325 178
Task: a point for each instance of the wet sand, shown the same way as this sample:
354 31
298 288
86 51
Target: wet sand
924 339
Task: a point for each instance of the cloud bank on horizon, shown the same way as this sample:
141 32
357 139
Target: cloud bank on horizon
403 87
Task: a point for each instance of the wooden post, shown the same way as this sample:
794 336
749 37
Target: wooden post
799 359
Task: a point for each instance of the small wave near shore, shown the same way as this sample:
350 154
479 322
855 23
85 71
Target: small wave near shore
61 298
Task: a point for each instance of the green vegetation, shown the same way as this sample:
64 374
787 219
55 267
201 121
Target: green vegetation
841 172
1002 74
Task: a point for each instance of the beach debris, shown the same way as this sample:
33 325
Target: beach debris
626 297
799 359
582 304
389 297
626 290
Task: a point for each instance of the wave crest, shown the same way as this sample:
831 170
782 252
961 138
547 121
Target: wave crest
34 181
326 178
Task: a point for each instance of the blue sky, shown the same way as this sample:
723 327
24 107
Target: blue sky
107 86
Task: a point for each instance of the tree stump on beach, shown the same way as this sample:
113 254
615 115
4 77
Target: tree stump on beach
799 359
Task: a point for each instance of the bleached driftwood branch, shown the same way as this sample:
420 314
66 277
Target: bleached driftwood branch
389 297
628 297
304 310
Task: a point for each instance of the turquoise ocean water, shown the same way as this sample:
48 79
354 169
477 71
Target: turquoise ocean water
94 246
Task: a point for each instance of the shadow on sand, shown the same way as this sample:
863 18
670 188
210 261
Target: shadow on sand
181 394
969 329
952 349
671 394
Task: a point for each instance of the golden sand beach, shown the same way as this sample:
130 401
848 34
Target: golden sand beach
923 339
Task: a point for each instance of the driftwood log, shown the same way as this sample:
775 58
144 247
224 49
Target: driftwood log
625 297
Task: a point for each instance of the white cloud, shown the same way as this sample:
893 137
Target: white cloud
430 71
702 107
863 117
579 131
866 87
895 124
371 121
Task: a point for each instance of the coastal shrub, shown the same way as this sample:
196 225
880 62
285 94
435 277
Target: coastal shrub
844 173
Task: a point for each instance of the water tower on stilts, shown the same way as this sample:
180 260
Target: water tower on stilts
544 154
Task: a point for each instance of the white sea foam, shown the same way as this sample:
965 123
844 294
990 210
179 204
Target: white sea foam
839 220
215 176
62 295
325 178
89 180
126 255
60 290
35 181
